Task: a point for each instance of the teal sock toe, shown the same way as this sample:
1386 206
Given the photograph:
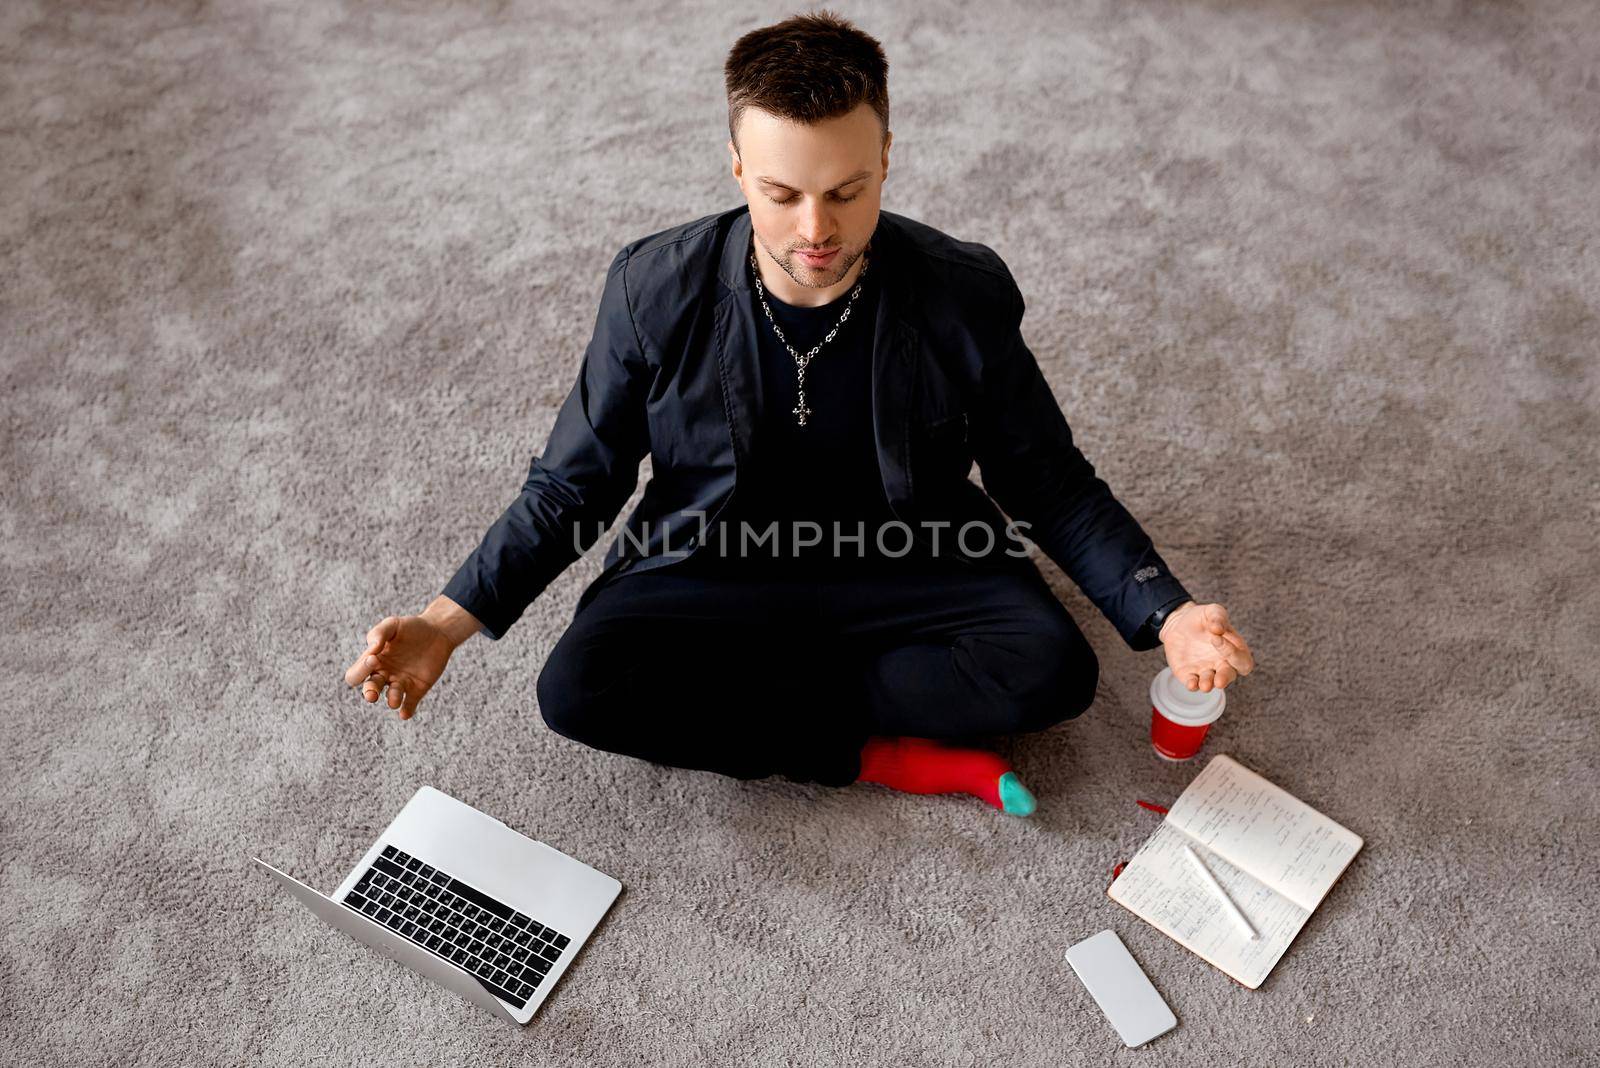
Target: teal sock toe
1015 797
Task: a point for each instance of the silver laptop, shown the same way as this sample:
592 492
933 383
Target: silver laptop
461 898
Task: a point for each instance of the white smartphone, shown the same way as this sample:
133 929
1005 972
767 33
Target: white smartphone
1121 989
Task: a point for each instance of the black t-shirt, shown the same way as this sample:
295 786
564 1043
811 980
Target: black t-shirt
826 471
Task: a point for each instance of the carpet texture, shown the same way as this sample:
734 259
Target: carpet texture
290 294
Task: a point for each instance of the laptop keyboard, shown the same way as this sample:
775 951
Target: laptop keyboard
507 952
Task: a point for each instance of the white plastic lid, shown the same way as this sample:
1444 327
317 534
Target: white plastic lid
1182 705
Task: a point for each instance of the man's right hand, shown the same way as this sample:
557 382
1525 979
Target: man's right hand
407 654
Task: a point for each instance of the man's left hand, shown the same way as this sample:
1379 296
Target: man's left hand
1202 647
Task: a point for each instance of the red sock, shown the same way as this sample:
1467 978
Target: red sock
927 766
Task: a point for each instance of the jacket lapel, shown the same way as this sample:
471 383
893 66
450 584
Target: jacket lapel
894 367
738 359
894 345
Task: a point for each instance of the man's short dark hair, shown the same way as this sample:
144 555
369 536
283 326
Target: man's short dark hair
806 69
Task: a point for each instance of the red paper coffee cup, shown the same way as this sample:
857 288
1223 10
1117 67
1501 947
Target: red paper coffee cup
1180 717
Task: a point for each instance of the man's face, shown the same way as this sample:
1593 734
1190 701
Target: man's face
812 187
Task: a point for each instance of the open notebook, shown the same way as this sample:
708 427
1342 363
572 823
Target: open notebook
1276 856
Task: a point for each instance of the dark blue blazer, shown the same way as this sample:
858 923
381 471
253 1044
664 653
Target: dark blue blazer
673 371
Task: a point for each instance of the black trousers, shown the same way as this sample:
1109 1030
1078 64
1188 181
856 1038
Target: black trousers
753 675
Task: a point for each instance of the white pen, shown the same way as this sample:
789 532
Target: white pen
1205 873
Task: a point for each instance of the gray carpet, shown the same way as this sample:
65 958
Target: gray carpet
290 293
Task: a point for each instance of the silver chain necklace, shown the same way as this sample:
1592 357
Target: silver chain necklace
801 361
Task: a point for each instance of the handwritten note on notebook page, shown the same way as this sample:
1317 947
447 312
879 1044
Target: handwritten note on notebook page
1276 856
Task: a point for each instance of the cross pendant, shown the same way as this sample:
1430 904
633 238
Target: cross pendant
800 409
